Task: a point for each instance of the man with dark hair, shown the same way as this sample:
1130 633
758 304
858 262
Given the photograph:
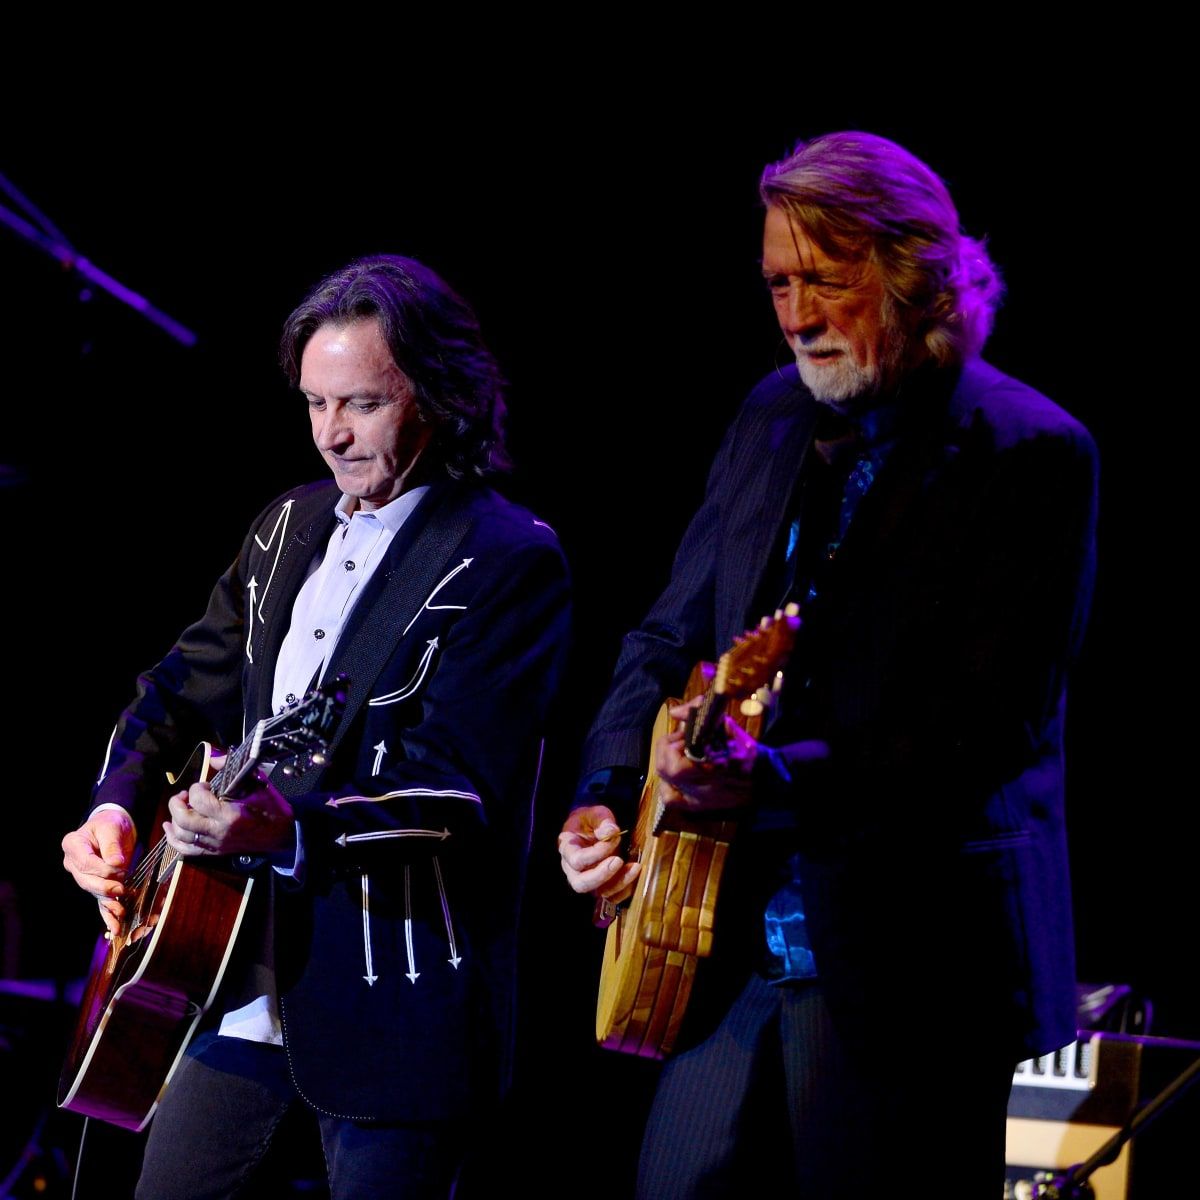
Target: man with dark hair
893 933
373 977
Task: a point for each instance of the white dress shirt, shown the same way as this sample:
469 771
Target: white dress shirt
358 544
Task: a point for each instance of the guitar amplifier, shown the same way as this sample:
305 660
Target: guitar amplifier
1065 1106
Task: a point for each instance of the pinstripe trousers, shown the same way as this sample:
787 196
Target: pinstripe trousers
774 1096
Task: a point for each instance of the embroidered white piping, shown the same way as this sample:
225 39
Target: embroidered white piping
107 755
338 801
537 778
414 683
413 973
462 566
370 976
454 958
281 523
378 835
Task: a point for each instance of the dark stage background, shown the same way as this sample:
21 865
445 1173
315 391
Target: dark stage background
614 270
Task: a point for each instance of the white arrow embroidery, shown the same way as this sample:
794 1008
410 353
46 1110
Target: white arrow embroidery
413 973
414 683
281 523
454 958
377 834
253 586
370 976
462 566
281 519
380 749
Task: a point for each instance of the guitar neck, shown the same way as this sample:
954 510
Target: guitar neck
705 727
238 763
750 671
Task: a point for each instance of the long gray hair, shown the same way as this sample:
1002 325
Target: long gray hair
859 194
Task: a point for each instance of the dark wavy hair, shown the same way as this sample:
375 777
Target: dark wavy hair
856 193
434 338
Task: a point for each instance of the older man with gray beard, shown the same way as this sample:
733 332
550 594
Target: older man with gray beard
897 892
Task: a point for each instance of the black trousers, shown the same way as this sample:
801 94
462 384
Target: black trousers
226 1102
773 1095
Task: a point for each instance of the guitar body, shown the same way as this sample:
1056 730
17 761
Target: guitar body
655 941
151 983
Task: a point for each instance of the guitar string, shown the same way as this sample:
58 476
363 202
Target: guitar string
161 848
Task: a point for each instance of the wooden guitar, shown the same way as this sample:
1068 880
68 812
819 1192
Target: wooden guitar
655 941
152 981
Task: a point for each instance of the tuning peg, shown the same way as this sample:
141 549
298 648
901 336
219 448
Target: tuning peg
752 706
318 759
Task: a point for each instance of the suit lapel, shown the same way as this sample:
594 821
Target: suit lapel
418 560
302 529
757 517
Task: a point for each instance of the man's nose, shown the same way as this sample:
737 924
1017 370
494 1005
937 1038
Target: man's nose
333 428
802 313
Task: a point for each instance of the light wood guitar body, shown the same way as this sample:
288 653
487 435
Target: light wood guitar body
655 941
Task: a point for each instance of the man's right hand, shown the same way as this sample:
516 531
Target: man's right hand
587 846
97 855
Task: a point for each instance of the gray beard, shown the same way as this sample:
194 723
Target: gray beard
847 386
838 385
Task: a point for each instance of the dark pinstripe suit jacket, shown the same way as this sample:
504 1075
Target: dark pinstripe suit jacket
396 958
933 664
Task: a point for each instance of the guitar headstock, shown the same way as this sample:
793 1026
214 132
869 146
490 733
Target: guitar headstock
755 658
295 739
299 736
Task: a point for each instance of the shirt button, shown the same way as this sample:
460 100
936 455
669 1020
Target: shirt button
318 634
348 565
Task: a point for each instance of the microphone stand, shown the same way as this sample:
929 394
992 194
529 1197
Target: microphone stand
1074 1184
50 240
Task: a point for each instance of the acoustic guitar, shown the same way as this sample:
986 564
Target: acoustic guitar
152 981
656 939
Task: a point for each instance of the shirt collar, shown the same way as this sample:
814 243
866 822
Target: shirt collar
391 516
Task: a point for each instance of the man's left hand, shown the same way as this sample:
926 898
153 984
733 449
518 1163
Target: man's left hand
202 824
719 781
